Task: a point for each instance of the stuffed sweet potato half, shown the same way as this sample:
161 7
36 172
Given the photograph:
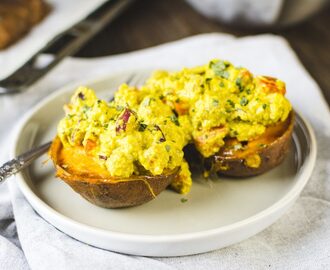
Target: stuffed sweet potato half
93 182
125 152
240 124
250 158
120 153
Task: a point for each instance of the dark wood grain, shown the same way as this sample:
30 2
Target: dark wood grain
151 22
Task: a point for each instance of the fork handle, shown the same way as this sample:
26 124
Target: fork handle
22 161
9 168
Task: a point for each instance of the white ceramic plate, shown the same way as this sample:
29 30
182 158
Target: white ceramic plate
216 214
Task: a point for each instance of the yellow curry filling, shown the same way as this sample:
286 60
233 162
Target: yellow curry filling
144 131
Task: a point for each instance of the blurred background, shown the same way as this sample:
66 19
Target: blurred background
58 27
304 23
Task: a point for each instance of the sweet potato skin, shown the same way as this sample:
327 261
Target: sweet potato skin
121 194
106 191
270 156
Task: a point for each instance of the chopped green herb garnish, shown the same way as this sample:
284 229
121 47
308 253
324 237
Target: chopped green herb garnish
248 91
142 127
207 80
264 106
262 145
175 119
231 103
215 102
161 97
224 74
183 200
167 147
218 66
219 69
85 109
239 84
222 84
244 101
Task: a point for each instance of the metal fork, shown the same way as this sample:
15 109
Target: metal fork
67 43
24 160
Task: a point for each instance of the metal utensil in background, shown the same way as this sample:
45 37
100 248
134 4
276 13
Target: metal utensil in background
67 43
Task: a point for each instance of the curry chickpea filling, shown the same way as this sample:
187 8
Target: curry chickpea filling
144 130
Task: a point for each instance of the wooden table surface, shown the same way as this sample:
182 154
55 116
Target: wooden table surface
151 22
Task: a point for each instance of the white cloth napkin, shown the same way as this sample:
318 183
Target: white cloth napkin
258 12
63 15
253 11
299 240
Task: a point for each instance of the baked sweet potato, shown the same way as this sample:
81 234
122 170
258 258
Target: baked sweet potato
243 159
95 184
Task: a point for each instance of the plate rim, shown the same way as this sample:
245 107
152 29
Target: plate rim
36 202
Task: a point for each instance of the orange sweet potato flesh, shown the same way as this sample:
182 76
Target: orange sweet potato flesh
95 184
270 148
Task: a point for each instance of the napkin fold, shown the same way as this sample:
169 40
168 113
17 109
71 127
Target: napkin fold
298 240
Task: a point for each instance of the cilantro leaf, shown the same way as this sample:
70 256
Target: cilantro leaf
244 101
